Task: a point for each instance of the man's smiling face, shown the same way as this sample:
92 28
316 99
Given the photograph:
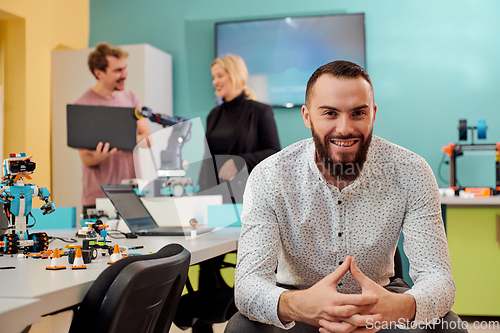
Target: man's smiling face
341 113
113 78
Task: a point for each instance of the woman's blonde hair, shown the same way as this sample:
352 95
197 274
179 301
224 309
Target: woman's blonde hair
235 66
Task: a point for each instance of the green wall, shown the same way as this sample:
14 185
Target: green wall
431 62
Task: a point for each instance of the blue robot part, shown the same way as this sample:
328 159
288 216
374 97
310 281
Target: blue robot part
44 193
48 207
22 202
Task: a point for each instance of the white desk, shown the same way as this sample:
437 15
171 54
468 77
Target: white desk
480 201
58 290
17 313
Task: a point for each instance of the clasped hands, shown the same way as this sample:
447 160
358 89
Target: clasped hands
323 306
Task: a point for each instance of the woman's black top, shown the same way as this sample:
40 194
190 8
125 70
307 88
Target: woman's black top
243 128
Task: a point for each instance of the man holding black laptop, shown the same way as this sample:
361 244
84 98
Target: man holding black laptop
103 165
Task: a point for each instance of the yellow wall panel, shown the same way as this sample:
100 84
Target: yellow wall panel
31 30
15 85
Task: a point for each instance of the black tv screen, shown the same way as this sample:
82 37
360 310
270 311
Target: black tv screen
281 54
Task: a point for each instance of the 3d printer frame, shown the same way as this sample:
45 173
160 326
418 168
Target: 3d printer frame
454 150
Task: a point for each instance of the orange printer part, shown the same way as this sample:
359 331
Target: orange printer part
479 191
448 149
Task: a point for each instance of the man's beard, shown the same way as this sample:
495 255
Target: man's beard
341 170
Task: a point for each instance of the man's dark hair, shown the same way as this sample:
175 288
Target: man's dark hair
340 69
97 58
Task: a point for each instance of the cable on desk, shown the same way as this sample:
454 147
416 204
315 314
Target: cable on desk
66 240
31 226
439 170
457 183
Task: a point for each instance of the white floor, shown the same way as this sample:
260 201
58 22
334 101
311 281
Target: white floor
60 323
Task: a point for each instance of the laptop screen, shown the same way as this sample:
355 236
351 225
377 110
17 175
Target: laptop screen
130 207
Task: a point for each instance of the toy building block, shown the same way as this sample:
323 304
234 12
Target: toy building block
78 263
116 255
95 238
55 263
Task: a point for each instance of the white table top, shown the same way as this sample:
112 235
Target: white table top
61 289
478 201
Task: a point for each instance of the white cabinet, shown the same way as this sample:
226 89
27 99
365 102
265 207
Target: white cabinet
150 77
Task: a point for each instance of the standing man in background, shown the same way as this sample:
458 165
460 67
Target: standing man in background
108 64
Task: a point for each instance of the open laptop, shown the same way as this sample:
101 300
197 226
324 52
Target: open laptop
89 124
138 218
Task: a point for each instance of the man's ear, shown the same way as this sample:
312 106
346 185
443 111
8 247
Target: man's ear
306 116
374 112
97 73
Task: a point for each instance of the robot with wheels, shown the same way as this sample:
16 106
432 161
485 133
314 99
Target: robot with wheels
171 180
95 238
17 199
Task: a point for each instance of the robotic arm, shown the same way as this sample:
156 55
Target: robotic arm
48 207
161 119
171 174
171 156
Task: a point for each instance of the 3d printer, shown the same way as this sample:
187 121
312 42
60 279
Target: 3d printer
453 150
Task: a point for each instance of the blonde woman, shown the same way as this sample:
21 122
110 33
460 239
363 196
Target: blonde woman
240 126
240 132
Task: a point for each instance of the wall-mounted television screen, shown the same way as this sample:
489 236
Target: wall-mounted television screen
281 54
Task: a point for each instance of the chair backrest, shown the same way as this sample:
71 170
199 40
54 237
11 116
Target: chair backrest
135 294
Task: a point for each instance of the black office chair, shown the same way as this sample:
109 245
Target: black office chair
135 294
398 266
212 289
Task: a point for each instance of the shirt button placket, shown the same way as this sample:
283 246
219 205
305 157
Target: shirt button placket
339 202
341 209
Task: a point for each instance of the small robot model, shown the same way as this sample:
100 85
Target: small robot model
95 238
17 200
